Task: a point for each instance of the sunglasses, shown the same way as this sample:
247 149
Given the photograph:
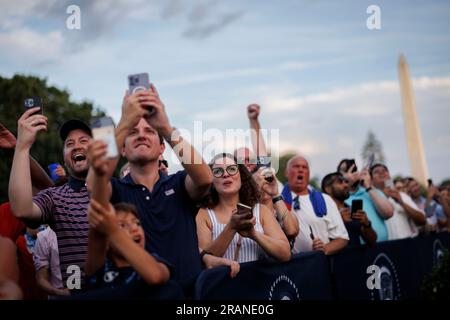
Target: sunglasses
231 170
342 179
164 162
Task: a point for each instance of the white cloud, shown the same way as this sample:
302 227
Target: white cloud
236 73
30 46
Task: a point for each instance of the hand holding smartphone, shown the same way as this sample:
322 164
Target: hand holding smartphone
242 209
33 102
311 233
138 82
357 205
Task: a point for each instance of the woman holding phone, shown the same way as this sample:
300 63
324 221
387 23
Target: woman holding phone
232 223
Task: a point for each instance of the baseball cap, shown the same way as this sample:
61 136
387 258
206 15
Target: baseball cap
72 125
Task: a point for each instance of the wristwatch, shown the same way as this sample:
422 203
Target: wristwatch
277 198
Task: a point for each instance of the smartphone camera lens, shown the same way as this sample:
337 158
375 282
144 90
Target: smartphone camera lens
29 103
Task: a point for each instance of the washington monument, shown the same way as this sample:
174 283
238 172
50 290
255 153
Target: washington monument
417 161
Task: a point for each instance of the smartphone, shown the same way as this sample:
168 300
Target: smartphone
268 175
242 208
103 129
357 204
262 162
311 233
32 102
138 82
52 169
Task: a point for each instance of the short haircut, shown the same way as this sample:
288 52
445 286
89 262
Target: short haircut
126 207
329 179
376 165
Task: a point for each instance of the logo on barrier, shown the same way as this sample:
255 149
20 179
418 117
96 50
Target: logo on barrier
385 279
438 252
283 288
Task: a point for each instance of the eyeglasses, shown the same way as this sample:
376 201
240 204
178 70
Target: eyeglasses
164 162
231 170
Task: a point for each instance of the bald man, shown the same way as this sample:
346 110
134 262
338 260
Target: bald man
321 225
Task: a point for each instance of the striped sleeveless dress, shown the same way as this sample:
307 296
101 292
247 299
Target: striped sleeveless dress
250 250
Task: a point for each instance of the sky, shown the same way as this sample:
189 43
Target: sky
322 78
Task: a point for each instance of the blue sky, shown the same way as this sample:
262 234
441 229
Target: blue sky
321 77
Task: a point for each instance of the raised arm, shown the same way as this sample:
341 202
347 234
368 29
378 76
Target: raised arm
199 176
20 186
384 208
99 186
286 217
103 219
258 143
39 178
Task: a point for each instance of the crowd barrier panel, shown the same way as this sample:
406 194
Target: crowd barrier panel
391 270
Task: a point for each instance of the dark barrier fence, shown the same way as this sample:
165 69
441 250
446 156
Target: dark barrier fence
390 270
401 267
306 276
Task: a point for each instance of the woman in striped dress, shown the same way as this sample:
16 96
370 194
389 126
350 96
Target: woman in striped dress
239 235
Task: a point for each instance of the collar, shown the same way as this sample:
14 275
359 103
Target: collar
128 180
76 184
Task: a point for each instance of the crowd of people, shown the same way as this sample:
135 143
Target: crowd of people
148 234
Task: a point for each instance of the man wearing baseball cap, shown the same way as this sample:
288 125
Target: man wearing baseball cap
64 208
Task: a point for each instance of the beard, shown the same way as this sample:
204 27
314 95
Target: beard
341 195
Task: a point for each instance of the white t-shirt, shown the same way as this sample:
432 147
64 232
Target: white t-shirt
328 227
400 225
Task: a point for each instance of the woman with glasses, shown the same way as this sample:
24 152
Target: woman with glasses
232 224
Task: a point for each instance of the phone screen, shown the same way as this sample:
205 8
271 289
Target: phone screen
103 129
32 102
357 204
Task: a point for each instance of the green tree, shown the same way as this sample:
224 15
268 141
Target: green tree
57 107
372 146
283 160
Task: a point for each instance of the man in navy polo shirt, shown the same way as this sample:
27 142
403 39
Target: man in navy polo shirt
166 204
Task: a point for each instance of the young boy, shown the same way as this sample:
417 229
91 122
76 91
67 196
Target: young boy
127 269
127 263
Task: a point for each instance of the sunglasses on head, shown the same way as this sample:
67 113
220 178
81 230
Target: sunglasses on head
231 170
